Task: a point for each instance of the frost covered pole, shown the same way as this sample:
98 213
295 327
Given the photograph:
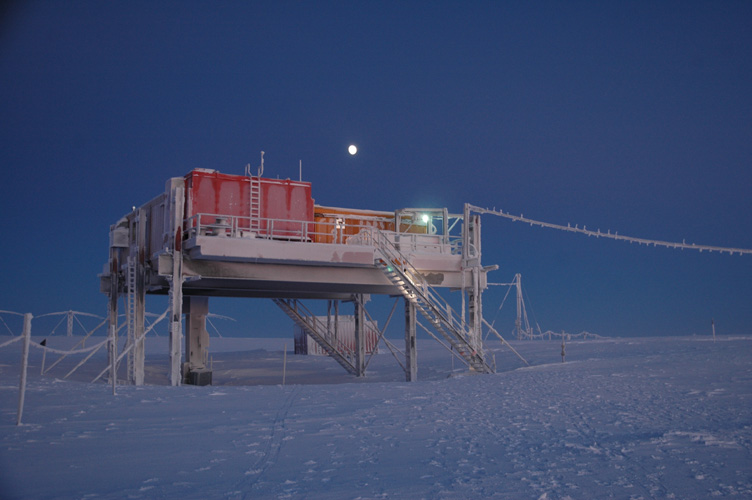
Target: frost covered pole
24 365
177 200
563 347
113 357
411 359
360 344
139 352
118 241
471 257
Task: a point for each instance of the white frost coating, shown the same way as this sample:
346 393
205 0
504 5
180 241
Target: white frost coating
24 365
613 236
622 418
15 339
71 351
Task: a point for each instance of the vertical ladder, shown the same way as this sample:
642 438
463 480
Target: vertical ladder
255 204
319 332
397 268
130 313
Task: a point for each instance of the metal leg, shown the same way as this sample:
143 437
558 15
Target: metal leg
196 341
176 282
411 353
112 310
360 338
139 352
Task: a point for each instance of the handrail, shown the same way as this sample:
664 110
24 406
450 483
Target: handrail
233 226
398 258
440 310
319 326
333 346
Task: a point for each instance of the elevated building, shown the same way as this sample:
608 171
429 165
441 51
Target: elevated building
211 234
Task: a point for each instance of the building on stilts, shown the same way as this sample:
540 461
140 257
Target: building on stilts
211 234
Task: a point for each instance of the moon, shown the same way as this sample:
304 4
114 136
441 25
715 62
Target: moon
352 149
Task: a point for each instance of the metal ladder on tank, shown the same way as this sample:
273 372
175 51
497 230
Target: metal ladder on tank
411 284
255 204
319 332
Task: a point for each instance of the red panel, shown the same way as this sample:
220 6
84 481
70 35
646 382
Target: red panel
210 192
285 200
215 193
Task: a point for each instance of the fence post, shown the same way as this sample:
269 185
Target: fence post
24 365
284 363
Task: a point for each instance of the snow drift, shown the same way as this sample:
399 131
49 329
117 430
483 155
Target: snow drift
624 418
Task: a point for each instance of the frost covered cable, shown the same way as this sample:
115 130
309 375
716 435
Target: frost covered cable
14 339
454 353
212 325
392 348
88 334
84 360
383 330
386 342
500 305
216 316
24 365
613 236
530 304
6 324
503 341
129 347
58 323
82 325
80 342
583 334
74 351
66 312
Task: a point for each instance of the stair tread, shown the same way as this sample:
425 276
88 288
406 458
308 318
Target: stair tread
431 311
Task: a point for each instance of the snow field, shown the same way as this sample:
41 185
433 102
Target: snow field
625 418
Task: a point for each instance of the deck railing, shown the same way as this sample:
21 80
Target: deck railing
341 231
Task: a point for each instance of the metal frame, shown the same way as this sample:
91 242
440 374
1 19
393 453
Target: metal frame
154 250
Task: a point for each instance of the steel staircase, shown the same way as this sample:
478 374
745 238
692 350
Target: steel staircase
318 331
432 306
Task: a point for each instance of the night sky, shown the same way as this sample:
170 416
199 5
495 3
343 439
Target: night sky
633 117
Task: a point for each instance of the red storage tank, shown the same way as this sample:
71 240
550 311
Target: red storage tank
269 207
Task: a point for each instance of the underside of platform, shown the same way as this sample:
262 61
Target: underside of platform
232 267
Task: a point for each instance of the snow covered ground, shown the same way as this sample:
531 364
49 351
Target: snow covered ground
624 418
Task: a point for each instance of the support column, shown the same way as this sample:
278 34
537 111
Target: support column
112 313
476 311
139 352
176 280
475 293
336 320
518 321
195 371
118 241
360 338
411 353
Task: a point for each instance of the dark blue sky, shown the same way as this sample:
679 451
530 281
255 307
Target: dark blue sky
629 116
